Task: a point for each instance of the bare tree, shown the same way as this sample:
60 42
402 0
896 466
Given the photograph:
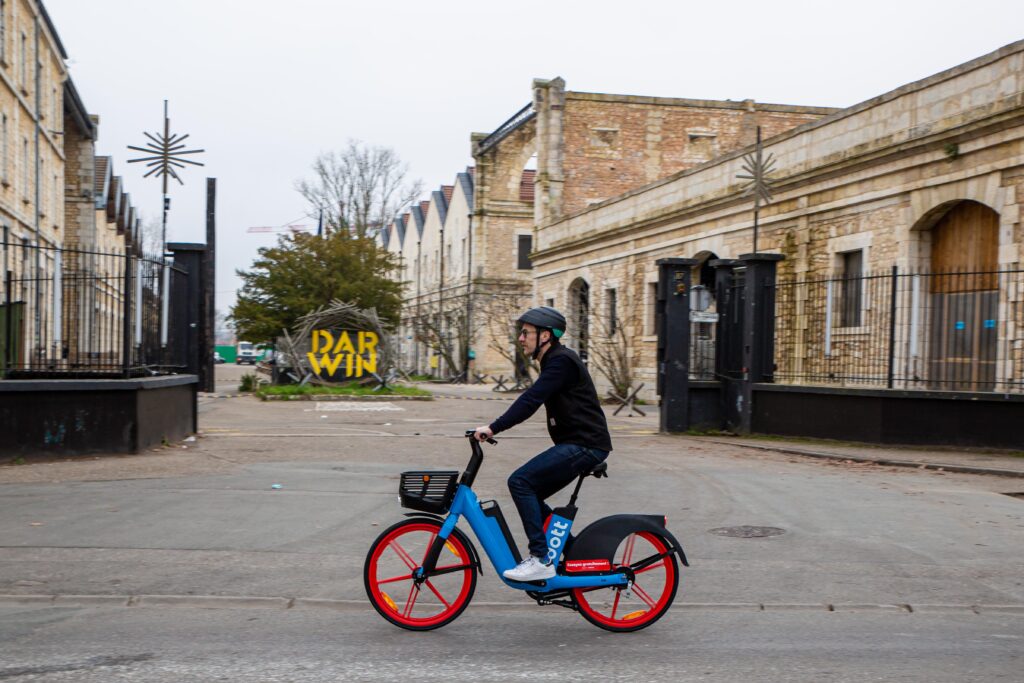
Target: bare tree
501 310
358 189
609 348
446 332
151 238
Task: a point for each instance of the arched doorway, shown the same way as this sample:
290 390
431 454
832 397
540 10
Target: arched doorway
964 291
579 317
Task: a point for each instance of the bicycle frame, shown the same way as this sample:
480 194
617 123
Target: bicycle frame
491 537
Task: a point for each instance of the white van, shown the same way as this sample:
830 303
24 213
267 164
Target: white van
246 353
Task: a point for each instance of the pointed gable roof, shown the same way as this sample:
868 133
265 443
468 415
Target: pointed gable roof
418 218
465 180
400 228
101 181
447 191
385 236
437 197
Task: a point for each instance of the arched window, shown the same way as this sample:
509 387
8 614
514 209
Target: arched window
579 317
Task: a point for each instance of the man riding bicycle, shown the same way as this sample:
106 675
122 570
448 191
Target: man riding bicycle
575 423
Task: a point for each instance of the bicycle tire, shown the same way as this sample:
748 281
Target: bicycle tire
655 605
457 586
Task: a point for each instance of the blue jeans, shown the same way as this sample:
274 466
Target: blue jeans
542 477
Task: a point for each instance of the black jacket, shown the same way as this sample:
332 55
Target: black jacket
567 392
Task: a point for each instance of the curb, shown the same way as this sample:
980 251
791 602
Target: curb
961 469
476 398
284 603
342 397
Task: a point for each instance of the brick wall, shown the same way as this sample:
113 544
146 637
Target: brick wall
614 143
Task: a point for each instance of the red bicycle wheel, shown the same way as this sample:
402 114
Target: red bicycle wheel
431 603
647 599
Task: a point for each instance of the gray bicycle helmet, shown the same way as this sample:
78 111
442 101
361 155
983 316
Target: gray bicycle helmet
544 318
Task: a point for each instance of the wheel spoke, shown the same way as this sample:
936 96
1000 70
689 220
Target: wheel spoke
656 565
642 594
404 577
627 553
411 600
615 605
406 557
438 594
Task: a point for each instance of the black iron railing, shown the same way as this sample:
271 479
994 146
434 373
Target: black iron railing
81 313
955 331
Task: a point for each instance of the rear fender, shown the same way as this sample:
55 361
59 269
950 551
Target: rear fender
601 538
435 550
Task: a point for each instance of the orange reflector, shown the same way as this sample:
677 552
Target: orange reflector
426 478
448 544
387 599
634 615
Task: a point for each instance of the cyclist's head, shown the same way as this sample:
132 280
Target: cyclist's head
542 319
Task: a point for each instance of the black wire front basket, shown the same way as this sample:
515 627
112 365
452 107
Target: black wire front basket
428 491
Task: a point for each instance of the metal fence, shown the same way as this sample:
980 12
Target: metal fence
702 350
80 313
955 331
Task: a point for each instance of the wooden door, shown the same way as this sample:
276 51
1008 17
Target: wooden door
964 299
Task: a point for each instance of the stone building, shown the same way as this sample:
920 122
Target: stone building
926 178
561 153
48 179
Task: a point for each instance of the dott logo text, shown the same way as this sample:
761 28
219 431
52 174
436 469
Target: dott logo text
556 538
336 355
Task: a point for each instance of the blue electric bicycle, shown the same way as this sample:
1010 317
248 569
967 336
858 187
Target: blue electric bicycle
620 573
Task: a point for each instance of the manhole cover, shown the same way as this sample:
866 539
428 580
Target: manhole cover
747 531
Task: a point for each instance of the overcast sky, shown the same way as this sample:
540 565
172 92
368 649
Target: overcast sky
264 85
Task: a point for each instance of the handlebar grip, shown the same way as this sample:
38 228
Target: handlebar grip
471 433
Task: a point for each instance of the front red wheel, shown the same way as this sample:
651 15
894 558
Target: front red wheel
425 605
647 599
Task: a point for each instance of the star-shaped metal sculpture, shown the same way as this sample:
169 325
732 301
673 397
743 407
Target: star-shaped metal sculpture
165 153
757 167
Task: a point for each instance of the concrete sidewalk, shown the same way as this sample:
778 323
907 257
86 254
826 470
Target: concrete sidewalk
1005 464
1000 463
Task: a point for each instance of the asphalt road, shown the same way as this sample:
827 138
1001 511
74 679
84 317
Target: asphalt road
181 645
185 564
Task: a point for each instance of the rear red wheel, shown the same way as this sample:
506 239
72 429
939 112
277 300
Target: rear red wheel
647 599
429 604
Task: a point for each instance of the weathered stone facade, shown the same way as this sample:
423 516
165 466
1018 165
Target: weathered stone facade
586 147
874 178
48 202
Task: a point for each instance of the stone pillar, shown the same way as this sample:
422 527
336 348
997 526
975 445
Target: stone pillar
673 322
549 103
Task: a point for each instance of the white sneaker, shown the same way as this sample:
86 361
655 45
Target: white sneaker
530 569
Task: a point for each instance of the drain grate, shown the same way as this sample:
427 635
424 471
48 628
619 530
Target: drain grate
747 531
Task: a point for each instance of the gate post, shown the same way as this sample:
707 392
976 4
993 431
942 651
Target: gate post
729 338
758 330
187 317
672 320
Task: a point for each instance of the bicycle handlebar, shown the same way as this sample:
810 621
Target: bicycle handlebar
470 434
469 474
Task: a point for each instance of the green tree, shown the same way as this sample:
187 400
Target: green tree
303 272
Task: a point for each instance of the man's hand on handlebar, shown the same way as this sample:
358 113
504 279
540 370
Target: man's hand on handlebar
483 434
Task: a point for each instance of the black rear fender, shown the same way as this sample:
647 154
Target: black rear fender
601 538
